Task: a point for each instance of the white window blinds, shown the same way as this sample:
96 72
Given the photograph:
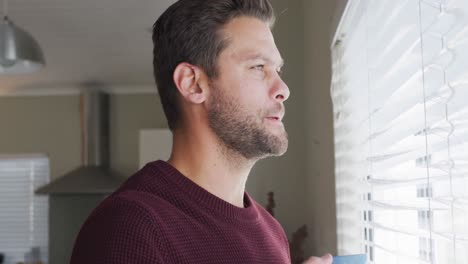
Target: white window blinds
23 215
400 99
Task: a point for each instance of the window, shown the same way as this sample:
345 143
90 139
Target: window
424 190
425 219
23 215
425 249
400 102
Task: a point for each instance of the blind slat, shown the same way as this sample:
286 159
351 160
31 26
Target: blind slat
400 101
23 215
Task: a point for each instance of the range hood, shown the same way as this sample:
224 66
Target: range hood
94 176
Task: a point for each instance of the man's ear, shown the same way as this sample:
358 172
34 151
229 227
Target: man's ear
189 80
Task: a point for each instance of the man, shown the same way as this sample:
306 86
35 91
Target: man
217 69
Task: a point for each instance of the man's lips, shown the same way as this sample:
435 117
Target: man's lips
273 118
274 121
276 117
275 114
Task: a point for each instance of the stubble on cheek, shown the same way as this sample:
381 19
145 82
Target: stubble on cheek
243 132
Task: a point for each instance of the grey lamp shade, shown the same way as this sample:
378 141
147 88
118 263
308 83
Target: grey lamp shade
19 52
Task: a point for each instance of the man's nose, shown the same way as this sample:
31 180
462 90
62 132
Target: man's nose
281 91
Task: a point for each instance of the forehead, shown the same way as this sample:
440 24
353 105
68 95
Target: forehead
250 38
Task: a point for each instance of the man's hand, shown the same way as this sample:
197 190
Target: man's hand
325 259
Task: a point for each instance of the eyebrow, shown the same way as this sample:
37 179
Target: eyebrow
258 56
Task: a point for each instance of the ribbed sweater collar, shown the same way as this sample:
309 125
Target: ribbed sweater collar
205 198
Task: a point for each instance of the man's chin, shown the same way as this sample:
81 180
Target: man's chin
273 153
279 146
281 151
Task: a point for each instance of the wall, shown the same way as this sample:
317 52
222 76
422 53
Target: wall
303 179
129 114
42 124
51 125
321 214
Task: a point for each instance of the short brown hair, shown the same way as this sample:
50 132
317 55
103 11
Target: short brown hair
189 31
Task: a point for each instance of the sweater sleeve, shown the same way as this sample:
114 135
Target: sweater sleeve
118 231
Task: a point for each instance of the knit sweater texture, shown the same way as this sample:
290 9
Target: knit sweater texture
160 216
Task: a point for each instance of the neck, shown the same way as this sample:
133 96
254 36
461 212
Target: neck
211 165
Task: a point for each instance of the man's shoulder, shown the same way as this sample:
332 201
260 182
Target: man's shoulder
118 230
126 204
145 188
272 225
131 198
149 193
267 217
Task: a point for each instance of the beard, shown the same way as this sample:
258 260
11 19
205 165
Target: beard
241 131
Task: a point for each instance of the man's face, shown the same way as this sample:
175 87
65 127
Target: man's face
246 102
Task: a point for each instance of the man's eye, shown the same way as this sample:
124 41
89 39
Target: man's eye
280 72
258 67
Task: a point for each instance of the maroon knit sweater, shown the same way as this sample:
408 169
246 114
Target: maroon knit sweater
160 216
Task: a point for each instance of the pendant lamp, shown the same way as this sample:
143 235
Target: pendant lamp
19 51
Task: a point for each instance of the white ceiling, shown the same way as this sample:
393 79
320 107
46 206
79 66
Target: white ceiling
104 41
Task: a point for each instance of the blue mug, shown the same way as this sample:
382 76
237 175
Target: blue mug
350 259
